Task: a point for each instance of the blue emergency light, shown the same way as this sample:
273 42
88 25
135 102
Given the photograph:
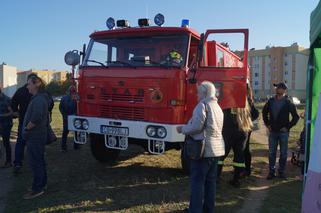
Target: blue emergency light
185 23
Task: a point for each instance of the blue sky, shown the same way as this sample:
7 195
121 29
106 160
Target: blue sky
37 33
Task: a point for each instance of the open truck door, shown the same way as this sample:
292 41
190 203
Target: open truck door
227 69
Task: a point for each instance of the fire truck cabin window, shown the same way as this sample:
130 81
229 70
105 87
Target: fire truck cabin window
164 50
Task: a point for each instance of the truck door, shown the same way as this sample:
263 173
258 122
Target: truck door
225 68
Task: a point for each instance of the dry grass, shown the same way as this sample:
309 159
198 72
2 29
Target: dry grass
138 182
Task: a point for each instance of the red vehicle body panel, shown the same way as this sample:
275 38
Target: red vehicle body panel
147 93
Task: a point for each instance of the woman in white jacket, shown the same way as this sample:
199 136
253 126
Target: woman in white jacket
206 123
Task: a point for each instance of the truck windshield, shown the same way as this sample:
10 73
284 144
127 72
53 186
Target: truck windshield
165 51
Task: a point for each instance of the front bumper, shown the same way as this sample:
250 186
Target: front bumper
136 129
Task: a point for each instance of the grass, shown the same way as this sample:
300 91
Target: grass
138 182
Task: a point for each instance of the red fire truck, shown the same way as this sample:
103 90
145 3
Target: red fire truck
137 84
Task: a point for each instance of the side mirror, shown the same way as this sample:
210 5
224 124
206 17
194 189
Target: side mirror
72 58
83 53
200 49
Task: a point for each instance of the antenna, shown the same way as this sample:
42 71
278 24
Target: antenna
146 10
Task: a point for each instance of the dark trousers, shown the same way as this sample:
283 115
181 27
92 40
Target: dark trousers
203 185
248 155
65 133
36 156
64 136
236 142
20 146
5 131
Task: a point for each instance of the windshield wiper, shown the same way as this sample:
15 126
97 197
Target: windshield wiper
97 62
121 62
166 65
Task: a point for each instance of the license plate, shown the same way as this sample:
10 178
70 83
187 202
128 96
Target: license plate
116 131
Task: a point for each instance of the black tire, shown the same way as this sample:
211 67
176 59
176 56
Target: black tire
100 152
185 161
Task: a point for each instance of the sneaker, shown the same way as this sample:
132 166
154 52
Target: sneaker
31 195
270 176
235 183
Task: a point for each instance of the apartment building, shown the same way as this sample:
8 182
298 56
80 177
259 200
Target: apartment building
8 79
279 64
46 75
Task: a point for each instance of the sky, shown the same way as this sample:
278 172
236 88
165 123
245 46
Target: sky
36 33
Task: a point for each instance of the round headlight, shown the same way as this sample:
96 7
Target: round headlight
110 23
72 58
77 124
151 131
161 132
159 19
85 124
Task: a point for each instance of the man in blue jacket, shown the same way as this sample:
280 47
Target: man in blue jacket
276 114
67 106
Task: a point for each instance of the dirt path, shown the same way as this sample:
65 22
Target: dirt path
254 201
6 180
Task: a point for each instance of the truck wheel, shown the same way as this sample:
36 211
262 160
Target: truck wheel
185 161
100 151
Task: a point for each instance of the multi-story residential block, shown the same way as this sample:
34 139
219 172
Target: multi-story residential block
46 75
279 64
8 79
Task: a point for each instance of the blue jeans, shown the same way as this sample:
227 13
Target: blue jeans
5 131
276 138
36 156
20 146
203 185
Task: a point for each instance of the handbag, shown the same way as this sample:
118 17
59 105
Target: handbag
51 136
194 149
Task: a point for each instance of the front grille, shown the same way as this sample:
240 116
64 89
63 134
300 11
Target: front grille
126 113
124 98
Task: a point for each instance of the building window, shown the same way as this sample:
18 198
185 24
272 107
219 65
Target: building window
285 63
256 74
286 81
286 72
256 83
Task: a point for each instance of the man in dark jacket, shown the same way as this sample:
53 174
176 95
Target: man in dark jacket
67 106
19 104
276 118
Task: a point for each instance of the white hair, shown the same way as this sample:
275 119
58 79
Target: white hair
208 89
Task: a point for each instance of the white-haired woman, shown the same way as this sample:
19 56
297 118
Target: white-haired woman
206 123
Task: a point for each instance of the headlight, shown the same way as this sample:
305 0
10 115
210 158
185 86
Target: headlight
77 124
161 132
85 124
151 131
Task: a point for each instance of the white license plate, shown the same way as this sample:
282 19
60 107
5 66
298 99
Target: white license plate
116 131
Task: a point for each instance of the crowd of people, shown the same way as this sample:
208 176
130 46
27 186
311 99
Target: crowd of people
223 130
32 105
220 130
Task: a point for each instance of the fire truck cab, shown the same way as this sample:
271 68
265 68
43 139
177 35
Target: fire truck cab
137 84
